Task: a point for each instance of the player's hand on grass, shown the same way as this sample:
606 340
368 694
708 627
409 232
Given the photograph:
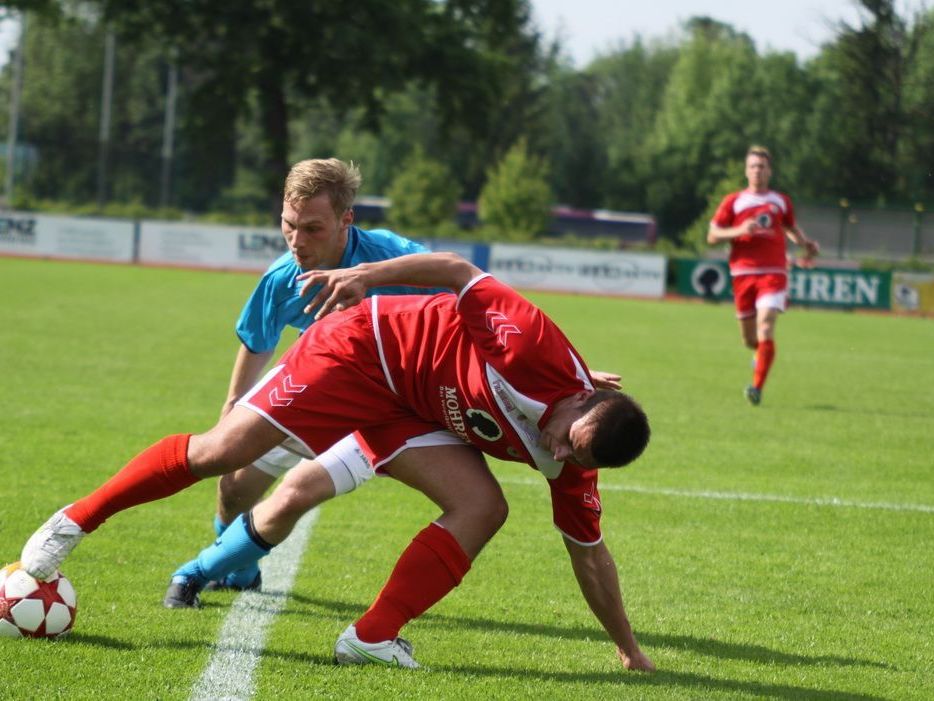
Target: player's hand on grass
340 289
605 380
636 662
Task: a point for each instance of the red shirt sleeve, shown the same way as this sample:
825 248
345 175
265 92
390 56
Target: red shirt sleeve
575 504
724 215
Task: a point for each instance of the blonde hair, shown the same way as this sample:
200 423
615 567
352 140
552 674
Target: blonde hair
313 176
756 150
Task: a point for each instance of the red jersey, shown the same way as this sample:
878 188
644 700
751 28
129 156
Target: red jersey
487 365
762 251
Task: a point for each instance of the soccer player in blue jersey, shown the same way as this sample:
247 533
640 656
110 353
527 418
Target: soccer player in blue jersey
317 224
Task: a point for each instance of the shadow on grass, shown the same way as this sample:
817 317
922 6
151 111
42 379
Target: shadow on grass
698 684
96 641
700 645
867 410
693 682
752 653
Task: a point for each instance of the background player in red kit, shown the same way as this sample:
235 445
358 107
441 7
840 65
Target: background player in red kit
755 221
407 373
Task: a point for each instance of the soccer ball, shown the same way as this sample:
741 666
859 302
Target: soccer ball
34 609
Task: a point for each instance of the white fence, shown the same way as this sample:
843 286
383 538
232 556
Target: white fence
253 248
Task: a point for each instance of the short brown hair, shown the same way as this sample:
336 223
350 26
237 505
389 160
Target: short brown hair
621 430
756 150
313 176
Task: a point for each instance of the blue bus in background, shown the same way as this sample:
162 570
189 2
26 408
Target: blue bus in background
630 228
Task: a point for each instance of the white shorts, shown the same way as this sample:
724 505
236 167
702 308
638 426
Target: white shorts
773 300
277 461
345 462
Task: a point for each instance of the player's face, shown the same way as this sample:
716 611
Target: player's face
568 434
315 234
580 438
758 172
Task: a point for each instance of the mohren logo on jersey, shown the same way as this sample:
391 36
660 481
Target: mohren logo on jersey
500 325
285 392
452 411
764 220
483 424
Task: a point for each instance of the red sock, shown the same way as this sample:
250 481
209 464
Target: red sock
158 472
432 565
765 354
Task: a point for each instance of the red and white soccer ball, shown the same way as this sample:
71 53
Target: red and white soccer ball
32 608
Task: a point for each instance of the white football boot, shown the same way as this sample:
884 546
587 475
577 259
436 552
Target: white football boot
48 547
391 653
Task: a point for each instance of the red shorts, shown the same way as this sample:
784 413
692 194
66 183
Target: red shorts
759 291
329 384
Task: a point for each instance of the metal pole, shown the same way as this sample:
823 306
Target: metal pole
16 89
841 236
168 134
104 135
919 216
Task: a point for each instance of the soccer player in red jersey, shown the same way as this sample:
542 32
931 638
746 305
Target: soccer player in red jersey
755 222
484 367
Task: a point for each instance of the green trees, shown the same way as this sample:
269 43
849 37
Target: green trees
424 198
256 59
629 94
916 147
653 126
867 64
515 202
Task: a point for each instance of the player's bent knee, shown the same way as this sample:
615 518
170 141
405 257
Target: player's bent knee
499 512
491 510
346 464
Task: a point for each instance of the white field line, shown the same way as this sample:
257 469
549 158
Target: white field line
743 496
229 673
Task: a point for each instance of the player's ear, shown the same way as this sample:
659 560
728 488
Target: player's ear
347 218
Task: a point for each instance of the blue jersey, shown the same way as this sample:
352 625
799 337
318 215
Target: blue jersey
276 302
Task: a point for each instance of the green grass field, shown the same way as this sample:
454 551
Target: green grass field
780 552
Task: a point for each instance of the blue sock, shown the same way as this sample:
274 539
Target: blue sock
239 546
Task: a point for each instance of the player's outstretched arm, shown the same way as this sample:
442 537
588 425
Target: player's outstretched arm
811 247
719 234
596 574
344 287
